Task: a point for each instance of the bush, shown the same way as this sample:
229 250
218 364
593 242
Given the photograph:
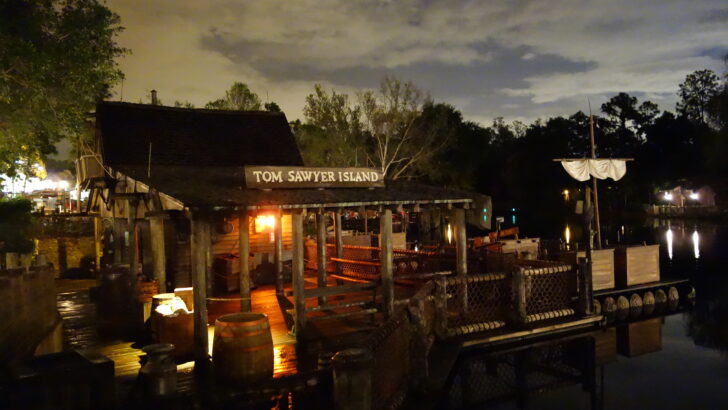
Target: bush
16 224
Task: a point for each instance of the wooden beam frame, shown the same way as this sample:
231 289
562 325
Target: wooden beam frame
199 243
299 296
244 260
278 252
461 252
338 238
387 261
321 252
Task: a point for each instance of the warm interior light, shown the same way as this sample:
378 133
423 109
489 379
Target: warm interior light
668 196
264 223
694 196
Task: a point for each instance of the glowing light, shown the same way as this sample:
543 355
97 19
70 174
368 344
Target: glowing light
63 185
567 234
513 209
694 196
668 196
696 244
668 236
449 233
566 194
485 214
264 223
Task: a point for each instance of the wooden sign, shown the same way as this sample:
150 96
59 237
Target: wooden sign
264 177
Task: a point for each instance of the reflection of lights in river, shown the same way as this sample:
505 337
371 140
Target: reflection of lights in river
696 244
668 235
449 233
567 234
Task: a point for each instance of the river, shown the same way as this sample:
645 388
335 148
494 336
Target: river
678 361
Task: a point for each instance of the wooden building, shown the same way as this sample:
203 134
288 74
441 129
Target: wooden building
172 194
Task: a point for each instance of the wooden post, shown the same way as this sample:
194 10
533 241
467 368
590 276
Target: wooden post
133 236
244 268
198 243
159 258
353 379
519 292
321 252
338 238
387 261
461 252
278 252
118 229
98 249
419 342
208 259
441 307
299 297
594 183
586 289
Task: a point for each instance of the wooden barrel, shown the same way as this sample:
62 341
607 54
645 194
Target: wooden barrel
242 349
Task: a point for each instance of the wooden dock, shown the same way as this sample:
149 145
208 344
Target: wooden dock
83 329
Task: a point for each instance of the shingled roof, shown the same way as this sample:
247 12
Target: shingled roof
193 137
198 158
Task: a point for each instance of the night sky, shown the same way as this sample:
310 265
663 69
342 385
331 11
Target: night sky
518 59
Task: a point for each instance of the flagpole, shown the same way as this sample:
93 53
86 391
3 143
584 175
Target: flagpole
594 182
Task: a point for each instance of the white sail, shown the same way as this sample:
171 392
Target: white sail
581 169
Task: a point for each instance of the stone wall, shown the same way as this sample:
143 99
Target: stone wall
68 255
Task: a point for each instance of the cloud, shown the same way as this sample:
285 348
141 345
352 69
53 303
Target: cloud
524 58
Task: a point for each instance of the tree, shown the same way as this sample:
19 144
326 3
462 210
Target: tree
57 59
696 94
399 138
183 104
332 135
16 223
272 107
239 97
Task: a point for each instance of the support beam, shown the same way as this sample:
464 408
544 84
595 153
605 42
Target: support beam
338 238
159 257
299 299
199 242
321 252
244 260
278 252
387 261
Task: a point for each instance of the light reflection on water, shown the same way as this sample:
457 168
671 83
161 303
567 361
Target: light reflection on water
696 244
668 238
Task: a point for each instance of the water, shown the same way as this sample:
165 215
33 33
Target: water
679 361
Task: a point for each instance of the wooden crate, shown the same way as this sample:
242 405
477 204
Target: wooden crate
226 271
635 339
526 248
636 265
602 266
